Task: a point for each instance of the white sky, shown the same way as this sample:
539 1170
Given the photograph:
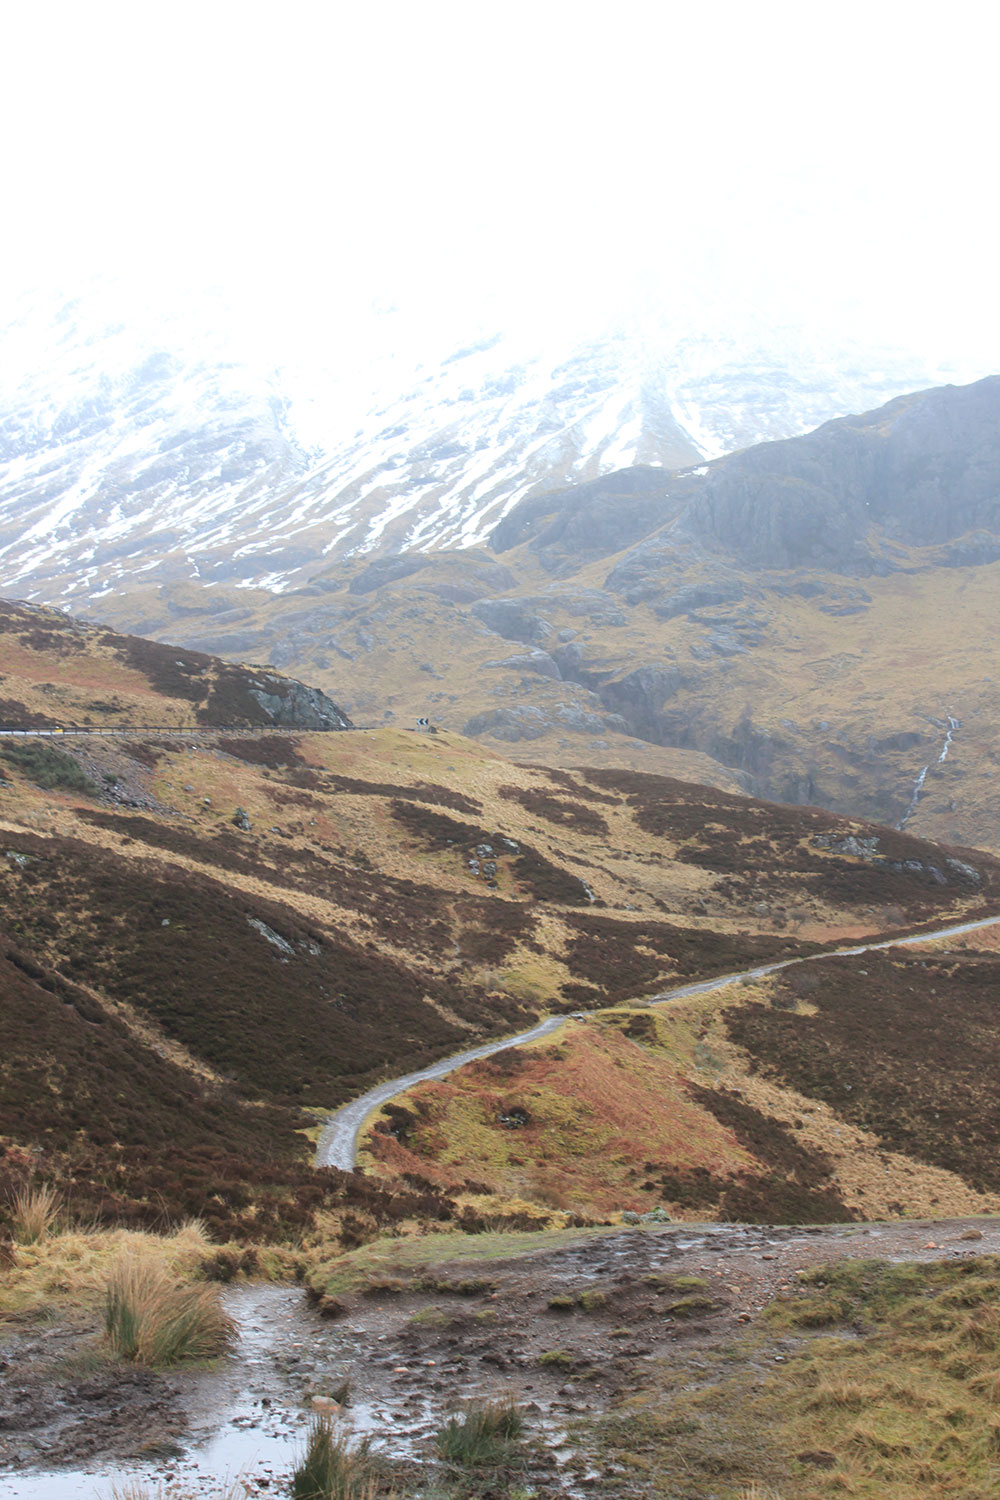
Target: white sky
543 166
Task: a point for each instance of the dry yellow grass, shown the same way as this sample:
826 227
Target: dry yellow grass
873 1181
72 1269
600 1102
152 1318
909 1409
870 675
34 1212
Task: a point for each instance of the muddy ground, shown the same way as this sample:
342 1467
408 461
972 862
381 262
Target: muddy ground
569 1331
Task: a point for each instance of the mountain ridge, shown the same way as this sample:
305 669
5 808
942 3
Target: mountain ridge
159 452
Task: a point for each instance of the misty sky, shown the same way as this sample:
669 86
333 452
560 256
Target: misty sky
545 167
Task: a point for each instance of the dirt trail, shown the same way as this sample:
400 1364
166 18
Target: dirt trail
479 1329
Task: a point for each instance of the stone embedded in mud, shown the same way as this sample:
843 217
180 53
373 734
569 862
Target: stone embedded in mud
326 1406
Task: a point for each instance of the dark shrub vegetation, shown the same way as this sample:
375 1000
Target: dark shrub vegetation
908 1050
436 830
758 845
547 881
288 1010
48 767
170 670
14 715
559 810
631 958
275 751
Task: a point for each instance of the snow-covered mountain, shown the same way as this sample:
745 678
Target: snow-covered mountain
150 450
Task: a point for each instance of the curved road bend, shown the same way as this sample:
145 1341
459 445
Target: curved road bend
338 1144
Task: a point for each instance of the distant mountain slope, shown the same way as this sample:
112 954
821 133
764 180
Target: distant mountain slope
159 454
804 619
850 498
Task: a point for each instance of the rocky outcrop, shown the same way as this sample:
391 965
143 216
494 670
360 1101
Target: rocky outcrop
869 850
922 471
529 722
513 619
292 705
639 698
387 570
539 662
457 577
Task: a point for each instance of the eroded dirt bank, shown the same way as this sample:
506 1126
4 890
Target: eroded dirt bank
571 1330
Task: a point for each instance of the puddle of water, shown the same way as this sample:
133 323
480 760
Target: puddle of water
255 1454
248 1418
234 1432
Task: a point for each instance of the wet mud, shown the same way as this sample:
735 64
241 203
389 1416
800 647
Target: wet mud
567 1331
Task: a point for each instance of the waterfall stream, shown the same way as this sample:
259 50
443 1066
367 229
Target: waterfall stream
918 785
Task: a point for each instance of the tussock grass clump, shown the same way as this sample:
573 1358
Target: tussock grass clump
333 1470
153 1319
481 1435
34 1212
72 1268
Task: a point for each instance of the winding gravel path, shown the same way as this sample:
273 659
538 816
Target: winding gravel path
338 1145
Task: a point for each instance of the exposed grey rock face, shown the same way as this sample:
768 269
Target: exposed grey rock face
922 471
699 596
528 722
387 570
292 705
589 519
639 697
512 619
869 851
458 576
972 551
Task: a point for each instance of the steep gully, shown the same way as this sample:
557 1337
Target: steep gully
339 1140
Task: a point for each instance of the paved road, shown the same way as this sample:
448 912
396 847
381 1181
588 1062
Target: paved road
138 731
705 986
338 1144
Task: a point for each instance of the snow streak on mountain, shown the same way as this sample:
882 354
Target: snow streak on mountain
151 452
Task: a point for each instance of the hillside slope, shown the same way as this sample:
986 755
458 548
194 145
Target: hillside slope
840 1088
93 677
213 934
805 620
